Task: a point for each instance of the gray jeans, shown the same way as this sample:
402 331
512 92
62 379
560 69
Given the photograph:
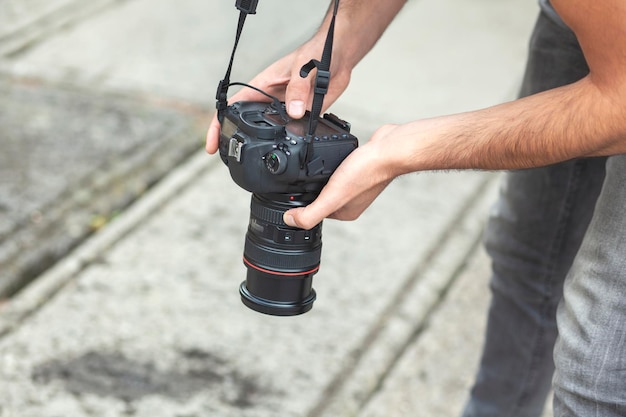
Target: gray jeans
557 239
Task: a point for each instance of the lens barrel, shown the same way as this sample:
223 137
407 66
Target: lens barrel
281 260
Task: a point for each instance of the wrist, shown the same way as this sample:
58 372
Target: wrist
387 152
408 147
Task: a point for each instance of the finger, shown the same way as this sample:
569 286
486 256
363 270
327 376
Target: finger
213 132
213 136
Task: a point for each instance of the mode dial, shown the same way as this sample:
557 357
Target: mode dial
276 161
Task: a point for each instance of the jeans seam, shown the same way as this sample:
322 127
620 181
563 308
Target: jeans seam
550 268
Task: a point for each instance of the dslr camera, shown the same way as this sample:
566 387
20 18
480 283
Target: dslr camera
284 163
272 156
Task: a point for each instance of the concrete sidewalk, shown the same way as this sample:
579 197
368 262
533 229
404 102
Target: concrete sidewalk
143 318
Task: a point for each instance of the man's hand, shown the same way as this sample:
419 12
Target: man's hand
360 178
282 80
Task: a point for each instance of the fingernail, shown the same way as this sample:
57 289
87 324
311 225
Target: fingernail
296 108
289 220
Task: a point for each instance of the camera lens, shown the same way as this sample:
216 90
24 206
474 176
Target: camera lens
281 260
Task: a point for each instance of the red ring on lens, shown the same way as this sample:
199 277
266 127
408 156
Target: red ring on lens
282 274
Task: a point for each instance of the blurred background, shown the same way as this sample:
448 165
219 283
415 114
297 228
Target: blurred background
121 240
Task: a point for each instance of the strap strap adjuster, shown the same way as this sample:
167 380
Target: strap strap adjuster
322 78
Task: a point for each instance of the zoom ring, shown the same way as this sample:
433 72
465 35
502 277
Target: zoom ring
281 261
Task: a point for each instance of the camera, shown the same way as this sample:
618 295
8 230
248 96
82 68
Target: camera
283 166
284 163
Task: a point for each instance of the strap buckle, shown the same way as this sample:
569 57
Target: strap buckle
322 78
247 6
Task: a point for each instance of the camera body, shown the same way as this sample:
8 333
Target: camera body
271 155
266 151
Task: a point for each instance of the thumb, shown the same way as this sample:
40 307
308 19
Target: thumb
297 94
302 217
307 217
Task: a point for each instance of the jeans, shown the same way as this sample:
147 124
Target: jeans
557 240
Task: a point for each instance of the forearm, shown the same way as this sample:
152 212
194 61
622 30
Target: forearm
578 120
587 118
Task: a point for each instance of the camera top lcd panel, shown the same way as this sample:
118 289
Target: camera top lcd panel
266 151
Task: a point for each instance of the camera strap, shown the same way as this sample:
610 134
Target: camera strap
245 7
322 78
320 88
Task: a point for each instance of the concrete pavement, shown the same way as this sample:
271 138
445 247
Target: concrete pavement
143 318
